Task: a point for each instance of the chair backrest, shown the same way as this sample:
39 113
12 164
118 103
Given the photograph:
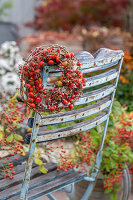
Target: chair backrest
102 72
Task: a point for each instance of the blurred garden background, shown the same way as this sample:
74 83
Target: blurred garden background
78 25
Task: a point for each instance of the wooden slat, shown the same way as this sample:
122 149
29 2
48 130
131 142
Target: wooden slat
75 114
42 186
10 188
19 160
56 184
7 183
71 130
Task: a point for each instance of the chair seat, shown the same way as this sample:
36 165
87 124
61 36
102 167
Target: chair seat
40 184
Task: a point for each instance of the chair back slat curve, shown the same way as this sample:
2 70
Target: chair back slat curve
71 130
105 61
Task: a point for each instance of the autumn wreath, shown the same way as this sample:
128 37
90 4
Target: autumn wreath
39 94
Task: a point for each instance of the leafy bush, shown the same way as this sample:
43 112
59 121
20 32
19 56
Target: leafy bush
124 93
65 14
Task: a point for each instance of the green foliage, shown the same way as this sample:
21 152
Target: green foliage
124 92
8 4
113 196
66 14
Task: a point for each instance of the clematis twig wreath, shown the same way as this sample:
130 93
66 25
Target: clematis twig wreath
64 92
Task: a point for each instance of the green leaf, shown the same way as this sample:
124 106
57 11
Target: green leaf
113 196
116 188
116 108
17 137
9 138
38 161
43 169
90 171
107 191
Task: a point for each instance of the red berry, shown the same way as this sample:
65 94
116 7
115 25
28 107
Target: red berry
53 56
25 72
50 62
71 106
36 58
11 176
49 50
78 64
84 79
129 123
25 67
30 100
67 55
65 102
71 54
42 64
52 108
71 85
40 86
32 105
37 71
57 60
38 99
28 86
31 94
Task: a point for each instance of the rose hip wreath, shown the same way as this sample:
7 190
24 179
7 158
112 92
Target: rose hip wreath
64 91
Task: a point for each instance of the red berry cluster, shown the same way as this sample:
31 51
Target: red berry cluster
64 92
112 178
13 148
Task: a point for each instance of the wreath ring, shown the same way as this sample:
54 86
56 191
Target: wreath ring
64 92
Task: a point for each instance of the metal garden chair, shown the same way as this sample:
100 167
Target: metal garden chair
107 63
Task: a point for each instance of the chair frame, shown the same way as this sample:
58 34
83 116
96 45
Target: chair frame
101 64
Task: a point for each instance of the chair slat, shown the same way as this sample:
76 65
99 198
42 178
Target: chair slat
75 114
101 78
98 63
98 68
98 79
86 68
96 94
71 130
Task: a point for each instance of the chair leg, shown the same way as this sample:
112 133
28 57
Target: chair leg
25 185
51 197
88 191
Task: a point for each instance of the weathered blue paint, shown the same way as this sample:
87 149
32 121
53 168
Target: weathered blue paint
83 126
70 190
82 113
102 59
100 79
97 79
95 95
99 155
51 197
35 129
